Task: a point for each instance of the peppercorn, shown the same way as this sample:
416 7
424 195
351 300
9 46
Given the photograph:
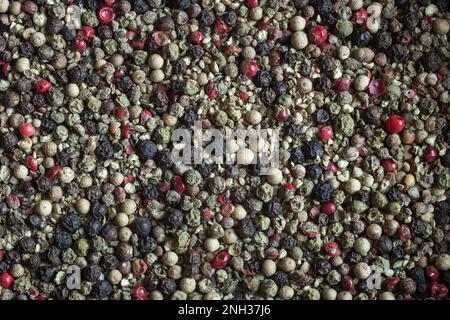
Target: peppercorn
141 226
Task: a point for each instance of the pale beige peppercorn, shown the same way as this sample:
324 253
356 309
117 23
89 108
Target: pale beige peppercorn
43 208
169 258
82 206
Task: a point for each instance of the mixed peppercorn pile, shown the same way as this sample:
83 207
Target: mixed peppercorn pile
91 91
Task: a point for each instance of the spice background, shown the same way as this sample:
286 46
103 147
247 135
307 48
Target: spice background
90 92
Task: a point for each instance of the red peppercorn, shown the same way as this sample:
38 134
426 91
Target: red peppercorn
333 249
438 290
389 165
54 171
318 34
109 3
2 254
331 167
86 33
145 115
325 133
222 198
6 280
221 260
249 68
347 283
361 16
392 283
41 297
79 45
208 214
221 27
43 86
328 207
6 67
430 154
179 184
404 233
289 186
196 37
343 84
27 130
140 293
251 3
29 7
126 131
395 124
377 87
106 15
164 186
121 113
282 115
432 273
13 201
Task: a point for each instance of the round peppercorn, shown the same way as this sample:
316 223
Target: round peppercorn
146 149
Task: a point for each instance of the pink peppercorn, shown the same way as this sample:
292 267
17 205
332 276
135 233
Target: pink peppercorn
430 154
289 186
221 260
318 34
6 280
43 86
249 68
251 3
54 171
377 87
392 283
347 283
196 37
29 7
404 233
325 133
432 273
6 67
221 27
126 131
343 84
2 254
27 130
282 115
395 124
361 16
208 215
86 33
79 45
389 165
140 293
178 184
328 207
333 249
106 15
121 113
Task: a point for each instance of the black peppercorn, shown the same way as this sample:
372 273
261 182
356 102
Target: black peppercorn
323 192
312 149
272 209
63 240
92 273
174 217
146 150
102 289
8 141
71 222
246 228
141 226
